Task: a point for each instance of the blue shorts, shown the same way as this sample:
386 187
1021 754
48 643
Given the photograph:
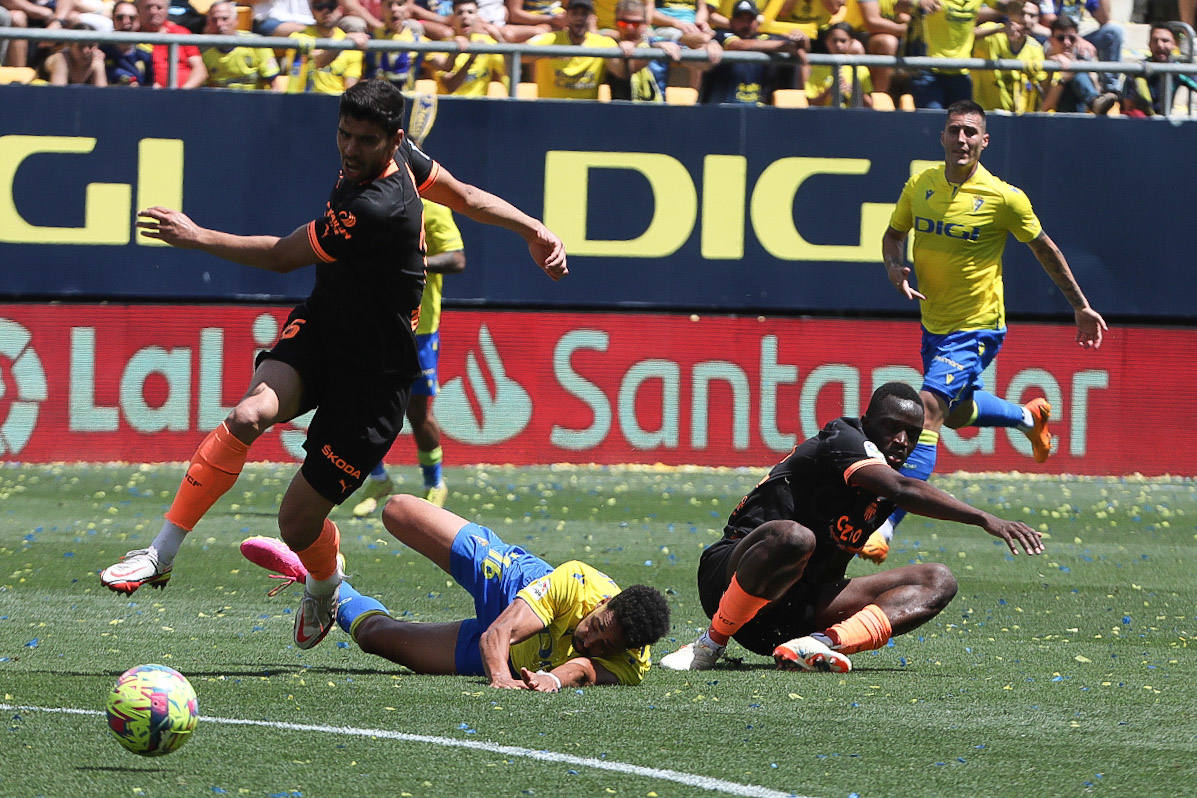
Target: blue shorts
954 362
493 572
428 349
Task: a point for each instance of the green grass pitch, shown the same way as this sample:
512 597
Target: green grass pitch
1064 674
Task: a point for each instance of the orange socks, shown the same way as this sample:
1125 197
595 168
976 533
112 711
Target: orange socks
214 468
320 558
736 608
864 631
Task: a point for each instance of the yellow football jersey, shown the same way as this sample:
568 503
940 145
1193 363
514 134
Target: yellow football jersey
1008 89
561 599
948 33
245 68
484 69
959 236
573 78
329 79
440 235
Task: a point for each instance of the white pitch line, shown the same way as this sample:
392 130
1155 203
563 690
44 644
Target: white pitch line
688 779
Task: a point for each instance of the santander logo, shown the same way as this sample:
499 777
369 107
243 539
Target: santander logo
26 380
501 414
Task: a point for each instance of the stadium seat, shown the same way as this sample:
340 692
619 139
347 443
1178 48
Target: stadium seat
906 102
245 18
10 74
681 95
790 98
426 86
604 93
882 101
526 91
496 89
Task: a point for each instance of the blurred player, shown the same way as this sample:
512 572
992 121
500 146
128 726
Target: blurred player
961 214
536 627
446 255
349 350
775 581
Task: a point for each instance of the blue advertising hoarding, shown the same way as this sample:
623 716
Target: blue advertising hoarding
734 209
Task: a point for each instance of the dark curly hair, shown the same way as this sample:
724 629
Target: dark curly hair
642 614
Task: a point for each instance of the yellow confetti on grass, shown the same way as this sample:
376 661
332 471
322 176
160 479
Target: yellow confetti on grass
1082 658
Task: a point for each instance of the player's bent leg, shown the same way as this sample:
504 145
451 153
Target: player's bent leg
307 530
909 596
771 558
428 529
423 647
273 396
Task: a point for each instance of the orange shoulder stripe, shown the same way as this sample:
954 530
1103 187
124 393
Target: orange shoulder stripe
859 464
319 250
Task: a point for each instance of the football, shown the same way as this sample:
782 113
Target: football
152 710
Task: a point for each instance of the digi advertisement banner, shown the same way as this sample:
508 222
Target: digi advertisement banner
144 383
715 208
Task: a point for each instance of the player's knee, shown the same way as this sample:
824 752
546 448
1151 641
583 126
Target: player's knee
399 513
247 420
788 541
940 580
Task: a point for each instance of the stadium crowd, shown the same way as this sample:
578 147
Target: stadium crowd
1062 31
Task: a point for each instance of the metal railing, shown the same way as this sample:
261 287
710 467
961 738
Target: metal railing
516 52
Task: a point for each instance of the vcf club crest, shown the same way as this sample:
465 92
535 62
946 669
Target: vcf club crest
22 387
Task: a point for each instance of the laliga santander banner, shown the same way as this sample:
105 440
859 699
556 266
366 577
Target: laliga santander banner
145 382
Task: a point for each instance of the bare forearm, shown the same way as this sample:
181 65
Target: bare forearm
1052 260
494 646
578 672
922 498
446 262
260 252
482 206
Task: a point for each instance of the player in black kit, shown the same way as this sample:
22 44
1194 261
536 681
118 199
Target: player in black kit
348 351
778 574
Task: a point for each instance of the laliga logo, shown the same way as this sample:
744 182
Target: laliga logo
504 414
30 384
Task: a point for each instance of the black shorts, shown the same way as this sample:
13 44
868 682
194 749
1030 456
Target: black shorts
793 615
358 413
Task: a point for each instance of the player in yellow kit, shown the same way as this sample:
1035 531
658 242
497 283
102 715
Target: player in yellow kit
961 214
536 627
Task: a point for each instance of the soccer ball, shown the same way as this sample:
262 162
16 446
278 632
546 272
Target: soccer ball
152 710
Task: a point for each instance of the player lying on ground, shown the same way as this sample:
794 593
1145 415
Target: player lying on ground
775 581
536 627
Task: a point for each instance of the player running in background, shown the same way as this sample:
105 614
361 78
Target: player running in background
348 350
536 627
446 255
961 214
775 581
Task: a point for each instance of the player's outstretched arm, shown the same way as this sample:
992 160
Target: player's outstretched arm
262 252
515 624
893 247
577 672
1089 323
482 206
921 498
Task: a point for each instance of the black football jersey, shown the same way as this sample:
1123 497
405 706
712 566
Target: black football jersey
811 486
370 278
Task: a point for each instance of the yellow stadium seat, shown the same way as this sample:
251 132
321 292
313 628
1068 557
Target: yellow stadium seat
681 95
790 98
496 89
17 74
906 102
526 91
426 86
882 101
245 17
604 93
